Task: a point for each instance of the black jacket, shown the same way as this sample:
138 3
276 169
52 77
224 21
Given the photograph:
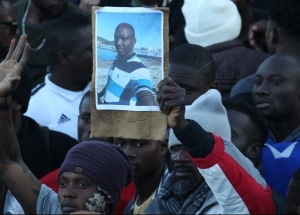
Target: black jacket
42 150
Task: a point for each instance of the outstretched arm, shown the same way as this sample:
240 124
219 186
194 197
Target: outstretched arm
232 177
15 174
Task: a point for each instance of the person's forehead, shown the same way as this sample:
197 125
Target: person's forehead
84 39
73 175
86 102
134 141
237 120
181 73
278 65
124 29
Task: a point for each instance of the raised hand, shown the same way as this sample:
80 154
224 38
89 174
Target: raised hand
12 66
257 35
171 101
86 5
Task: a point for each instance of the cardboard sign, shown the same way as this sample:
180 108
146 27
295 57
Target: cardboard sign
117 94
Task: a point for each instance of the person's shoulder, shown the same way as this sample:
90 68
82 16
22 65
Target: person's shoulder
59 137
38 89
131 65
47 201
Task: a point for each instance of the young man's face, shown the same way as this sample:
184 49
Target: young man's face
190 80
239 130
145 155
293 199
84 119
276 88
124 41
186 172
74 192
81 55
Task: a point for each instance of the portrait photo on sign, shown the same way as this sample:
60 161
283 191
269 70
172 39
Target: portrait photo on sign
129 58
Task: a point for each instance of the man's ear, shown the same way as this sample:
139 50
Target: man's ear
272 33
163 147
63 57
134 40
16 106
254 151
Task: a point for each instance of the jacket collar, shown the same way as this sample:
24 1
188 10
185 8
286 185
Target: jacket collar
218 47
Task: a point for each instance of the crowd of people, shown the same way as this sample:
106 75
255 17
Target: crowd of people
231 98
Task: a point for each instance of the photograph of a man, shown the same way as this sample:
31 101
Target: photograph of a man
128 77
128 58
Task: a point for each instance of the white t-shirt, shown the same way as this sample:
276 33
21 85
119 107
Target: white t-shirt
11 205
47 202
55 107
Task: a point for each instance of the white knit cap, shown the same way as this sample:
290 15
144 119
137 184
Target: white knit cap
209 112
211 21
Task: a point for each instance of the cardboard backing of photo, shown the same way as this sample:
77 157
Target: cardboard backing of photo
148 125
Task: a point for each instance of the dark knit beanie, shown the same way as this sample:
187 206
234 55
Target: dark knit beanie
23 92
106 164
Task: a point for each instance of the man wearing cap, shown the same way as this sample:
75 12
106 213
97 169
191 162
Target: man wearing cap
230 182
92 176
216 25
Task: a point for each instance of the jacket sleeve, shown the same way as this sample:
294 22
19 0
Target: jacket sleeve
233 179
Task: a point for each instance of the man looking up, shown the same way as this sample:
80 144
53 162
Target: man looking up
150 170
276 94
129 80
192 67
33 18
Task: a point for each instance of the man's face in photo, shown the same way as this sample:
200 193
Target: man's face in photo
124 40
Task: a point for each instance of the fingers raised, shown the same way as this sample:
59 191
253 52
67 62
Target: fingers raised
11 49
25 56
18 52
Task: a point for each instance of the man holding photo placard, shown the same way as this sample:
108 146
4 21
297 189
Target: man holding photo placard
129 80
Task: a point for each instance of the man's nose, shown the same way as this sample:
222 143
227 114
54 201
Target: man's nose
262 89
69 192
182 156
129 151
119 41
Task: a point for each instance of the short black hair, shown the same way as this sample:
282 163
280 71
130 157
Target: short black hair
286 15
86 95
296 178
127 25
258 131
62 33
195 57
